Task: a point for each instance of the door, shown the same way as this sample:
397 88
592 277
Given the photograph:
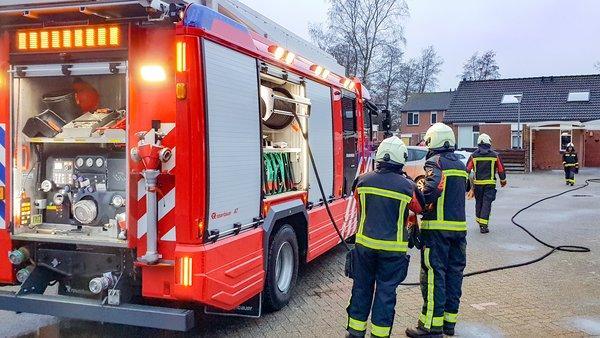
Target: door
349 124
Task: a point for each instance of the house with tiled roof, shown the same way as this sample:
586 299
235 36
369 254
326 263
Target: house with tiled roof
420 111
540 115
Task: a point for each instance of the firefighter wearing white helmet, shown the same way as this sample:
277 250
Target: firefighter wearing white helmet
570 164
486 165
378 263
443 235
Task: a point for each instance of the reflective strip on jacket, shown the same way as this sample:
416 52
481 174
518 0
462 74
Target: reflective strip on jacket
486 163
384 199
445 188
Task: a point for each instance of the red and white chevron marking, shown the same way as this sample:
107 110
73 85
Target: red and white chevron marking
351 216
166 196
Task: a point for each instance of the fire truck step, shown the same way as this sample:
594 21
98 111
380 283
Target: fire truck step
89 309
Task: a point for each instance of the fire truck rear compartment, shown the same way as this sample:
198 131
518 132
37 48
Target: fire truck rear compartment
70 173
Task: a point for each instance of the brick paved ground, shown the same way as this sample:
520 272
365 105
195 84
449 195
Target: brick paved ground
557 297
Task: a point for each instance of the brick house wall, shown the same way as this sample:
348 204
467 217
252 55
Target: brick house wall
592 148
500 134
421 128
546 148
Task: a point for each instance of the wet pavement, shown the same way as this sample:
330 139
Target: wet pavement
559 296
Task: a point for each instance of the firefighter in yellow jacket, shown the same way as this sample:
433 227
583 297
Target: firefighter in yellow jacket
571 164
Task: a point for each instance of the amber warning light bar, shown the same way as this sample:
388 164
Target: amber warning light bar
61 39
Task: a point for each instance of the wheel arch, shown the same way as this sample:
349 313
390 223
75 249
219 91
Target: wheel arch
292 213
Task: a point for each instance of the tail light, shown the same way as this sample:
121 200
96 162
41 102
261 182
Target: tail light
185 271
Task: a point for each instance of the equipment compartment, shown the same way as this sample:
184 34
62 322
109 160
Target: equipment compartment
70 145
284 148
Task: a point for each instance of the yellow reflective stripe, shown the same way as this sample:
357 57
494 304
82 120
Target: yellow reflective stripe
570 180
482 182
444 225
493 159
378 244
450 317
385 193
571 164
492 167
363 213
380 331
430 291
400 224
482 221
440 202
356 324
422 318
437 321
455 173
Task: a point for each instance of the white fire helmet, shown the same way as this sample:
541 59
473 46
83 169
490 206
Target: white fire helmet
392 150
440 136
484 139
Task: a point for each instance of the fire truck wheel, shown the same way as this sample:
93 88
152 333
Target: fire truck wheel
282 270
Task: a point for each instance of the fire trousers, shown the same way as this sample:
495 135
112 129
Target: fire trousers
570 174
376 276
443 260
484 196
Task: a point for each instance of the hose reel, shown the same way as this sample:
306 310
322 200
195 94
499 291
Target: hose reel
275 109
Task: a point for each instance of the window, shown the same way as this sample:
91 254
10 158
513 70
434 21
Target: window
580 96
433 117
475 135
566 137
511 98
515 142
413 119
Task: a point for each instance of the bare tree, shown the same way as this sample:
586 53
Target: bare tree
482 67
409 80
429 67
386 85
363 28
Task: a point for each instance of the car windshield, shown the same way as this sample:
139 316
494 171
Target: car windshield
416 154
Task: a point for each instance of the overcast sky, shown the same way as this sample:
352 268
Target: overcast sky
530 37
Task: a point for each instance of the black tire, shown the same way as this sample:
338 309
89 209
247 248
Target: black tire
285 239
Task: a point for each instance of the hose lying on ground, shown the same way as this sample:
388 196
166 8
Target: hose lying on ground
553 248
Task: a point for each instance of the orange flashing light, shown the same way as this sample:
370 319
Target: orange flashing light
281 53
69 38
185 271
181 56
347 83
45 40
55 39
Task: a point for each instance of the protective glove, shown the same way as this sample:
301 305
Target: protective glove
470 194
503 183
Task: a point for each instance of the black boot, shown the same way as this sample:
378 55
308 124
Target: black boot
419 332
449 331
483 229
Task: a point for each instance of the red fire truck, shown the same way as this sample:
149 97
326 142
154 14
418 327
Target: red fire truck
155 159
